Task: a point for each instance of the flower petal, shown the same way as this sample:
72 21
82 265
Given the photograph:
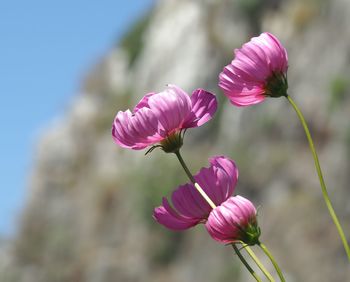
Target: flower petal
143 102
170 107
240 89
275 52
135 131
219 180
168 217
231 170
204 106
190 203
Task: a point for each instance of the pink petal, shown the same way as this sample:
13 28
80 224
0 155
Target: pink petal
143 102
214 183
246 209
135 131
273 49
204 105
242 101
249 70
231 170
170 107
218 181
190 203
168 217
241 92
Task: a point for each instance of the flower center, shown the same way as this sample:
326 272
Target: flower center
276 85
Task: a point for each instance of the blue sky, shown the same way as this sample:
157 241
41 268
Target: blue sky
46 47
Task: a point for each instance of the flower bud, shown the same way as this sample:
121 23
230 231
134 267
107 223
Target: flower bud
234 221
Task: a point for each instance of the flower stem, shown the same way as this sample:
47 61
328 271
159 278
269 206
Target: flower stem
267 252
251 270
258 262
320 176
190 176
213 206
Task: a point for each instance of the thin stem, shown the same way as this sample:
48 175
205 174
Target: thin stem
258 262
183 164
267 252
320 176
251 270
196 185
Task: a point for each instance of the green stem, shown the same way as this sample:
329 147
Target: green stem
266 251
183 164
196 185
258 262
320 176
251 270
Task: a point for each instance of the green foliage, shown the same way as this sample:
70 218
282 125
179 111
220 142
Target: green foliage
231 271
9 275
347 141
111 104
154 181
252 10
132 42
339 87
250 7
168 246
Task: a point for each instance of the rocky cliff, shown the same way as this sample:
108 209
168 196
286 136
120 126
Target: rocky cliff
88 217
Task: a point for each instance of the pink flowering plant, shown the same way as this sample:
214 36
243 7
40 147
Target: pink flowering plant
218 182
258 71
159 120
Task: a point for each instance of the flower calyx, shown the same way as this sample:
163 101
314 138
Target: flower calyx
250 234
171 144
276 85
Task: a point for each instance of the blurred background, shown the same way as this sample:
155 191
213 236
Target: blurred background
75 207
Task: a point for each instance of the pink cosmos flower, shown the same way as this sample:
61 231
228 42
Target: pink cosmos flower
218 182
234 221
259 70
161 118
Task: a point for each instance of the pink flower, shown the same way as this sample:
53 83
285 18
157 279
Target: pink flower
218 182
234 221
259 70
161 118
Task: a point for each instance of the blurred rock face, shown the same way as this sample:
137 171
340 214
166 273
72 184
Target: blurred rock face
89 213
